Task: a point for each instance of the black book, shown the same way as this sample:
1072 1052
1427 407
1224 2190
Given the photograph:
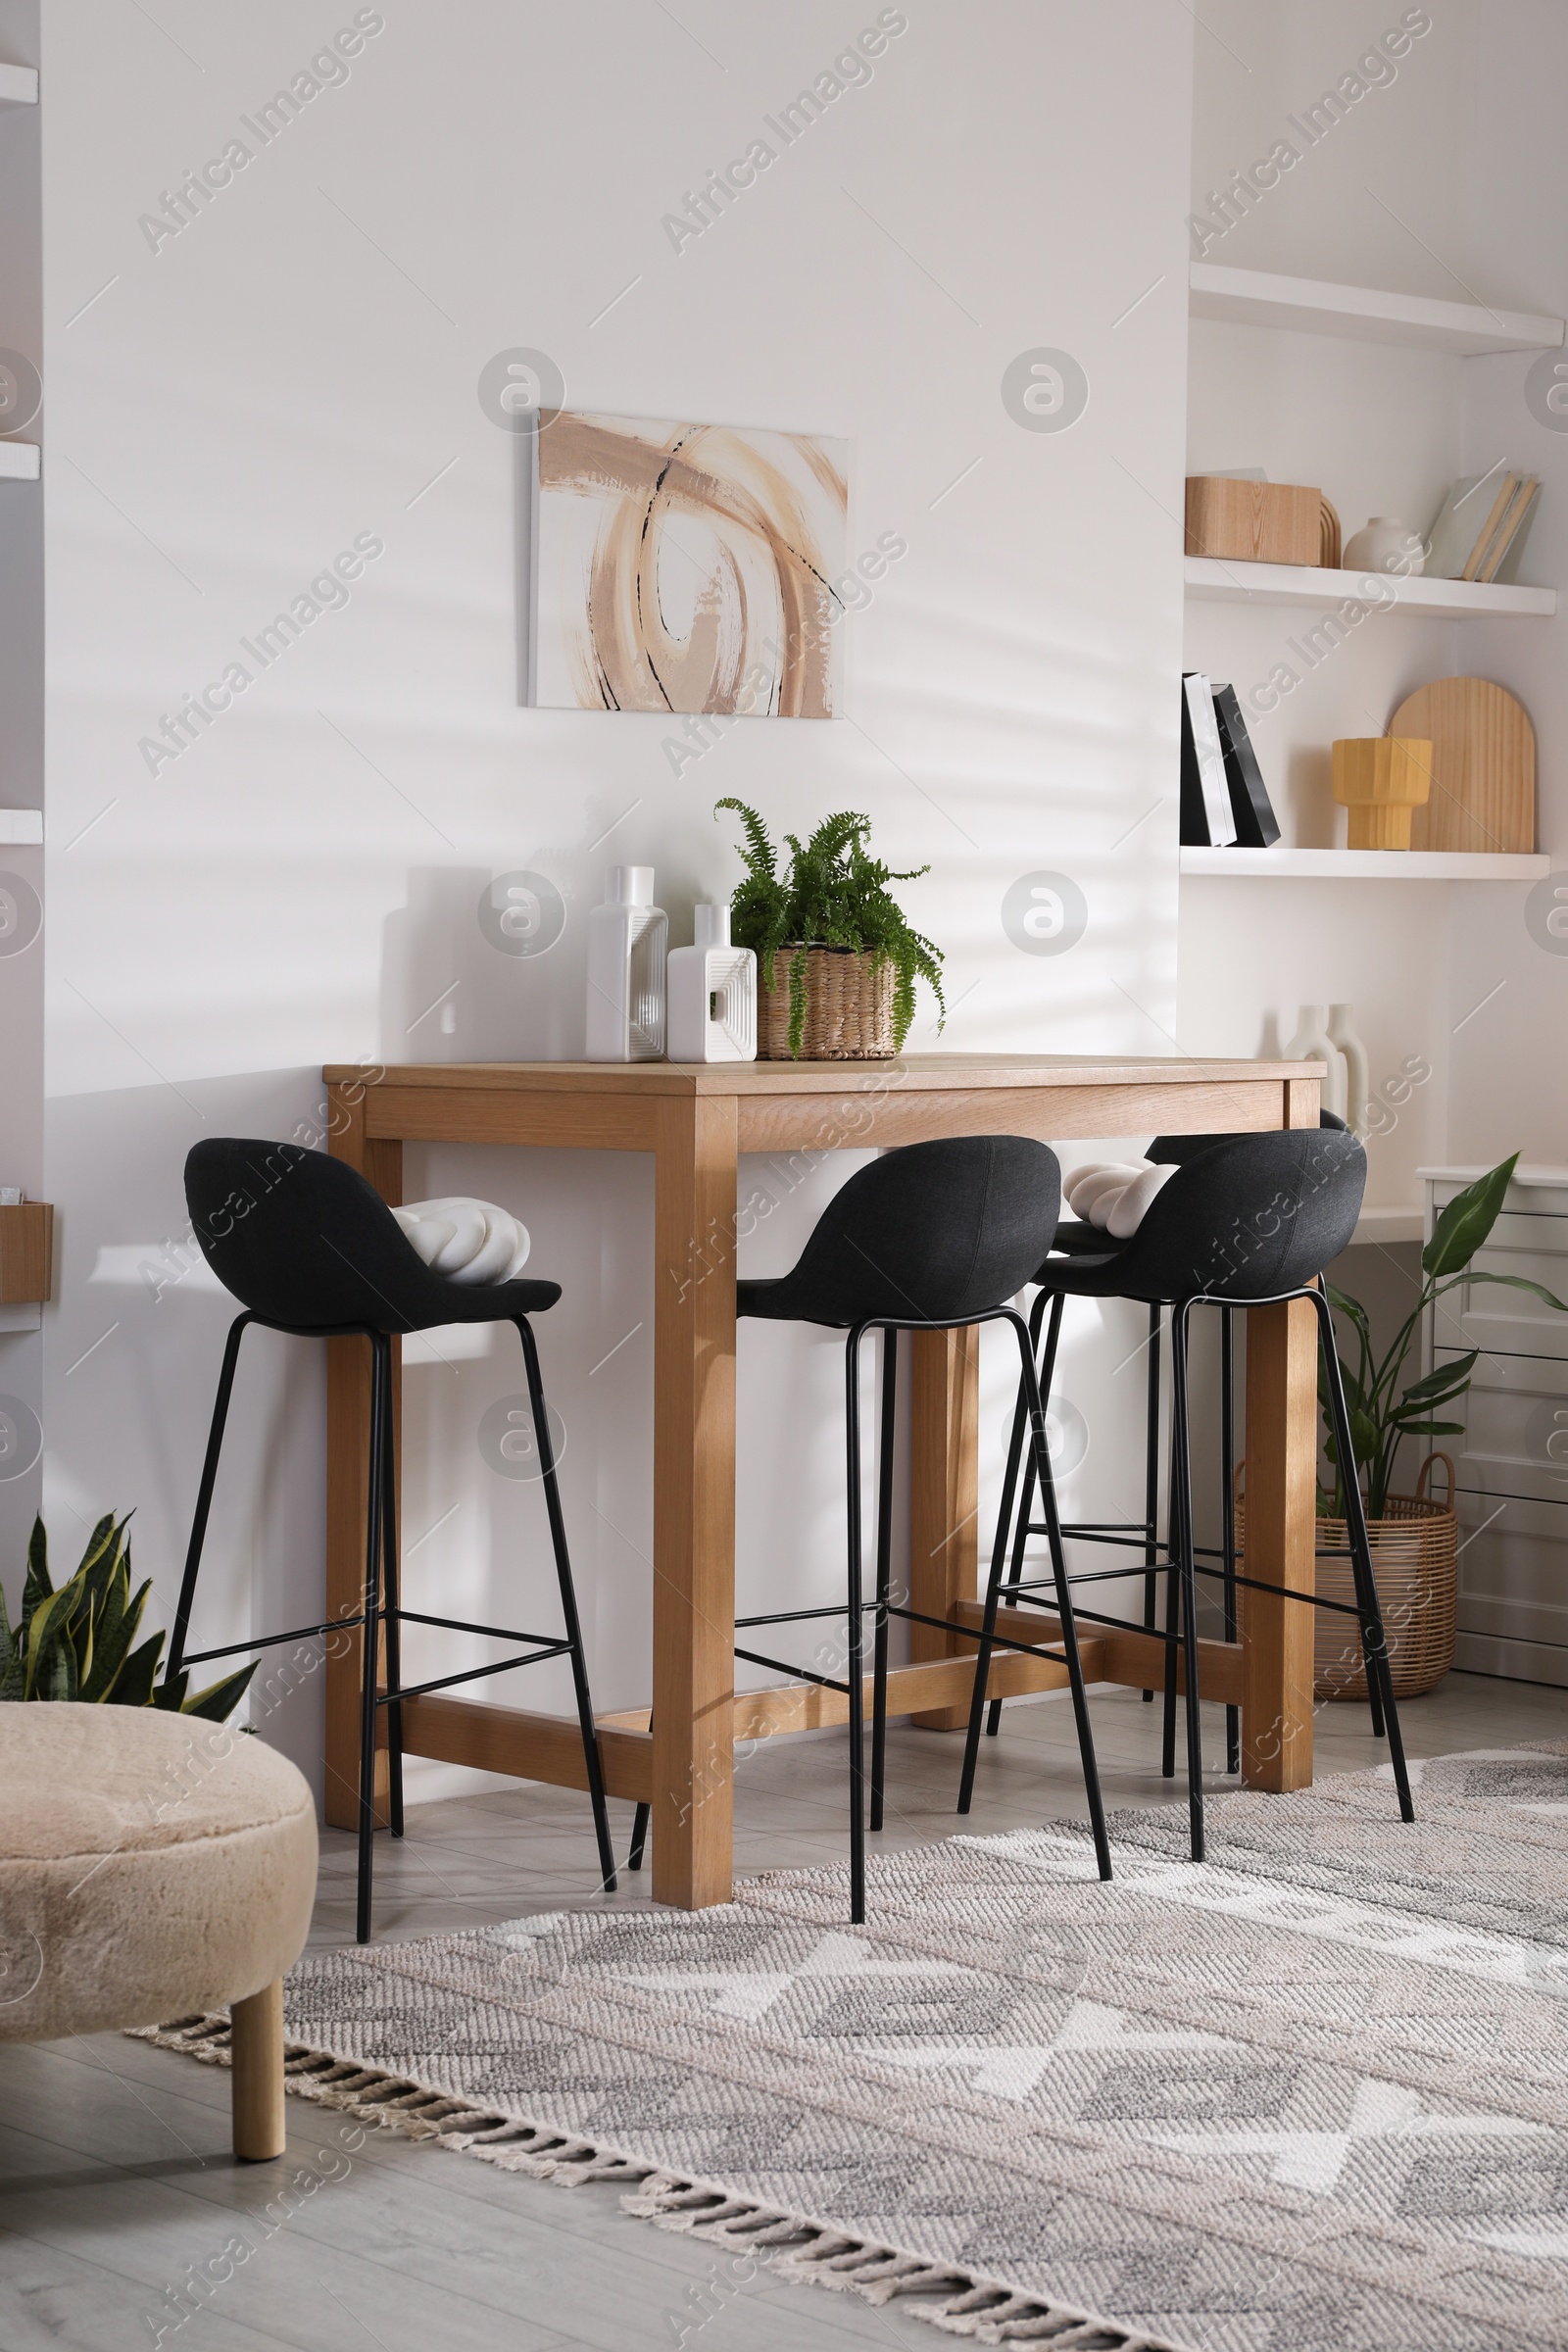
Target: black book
1256 825
1207 821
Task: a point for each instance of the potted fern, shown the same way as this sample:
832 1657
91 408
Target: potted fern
845 988
1415 1538
79 1642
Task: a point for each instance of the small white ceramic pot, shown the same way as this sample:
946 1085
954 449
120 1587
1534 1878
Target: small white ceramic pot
1384 545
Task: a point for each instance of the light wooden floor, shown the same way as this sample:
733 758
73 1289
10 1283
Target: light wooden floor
116 2181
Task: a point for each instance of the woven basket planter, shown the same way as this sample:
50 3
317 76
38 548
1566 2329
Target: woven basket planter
848 1007
1415 1549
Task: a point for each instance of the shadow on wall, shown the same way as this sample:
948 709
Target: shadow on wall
132 1347
488 965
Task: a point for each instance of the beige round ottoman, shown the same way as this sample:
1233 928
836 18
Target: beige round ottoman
151 1864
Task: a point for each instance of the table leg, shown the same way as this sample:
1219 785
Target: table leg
943 1499
1281 1540
694 1500
348 1456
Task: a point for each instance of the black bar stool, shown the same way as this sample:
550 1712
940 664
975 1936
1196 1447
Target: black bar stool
1252 1220
311 1249
1077 1238
930 1238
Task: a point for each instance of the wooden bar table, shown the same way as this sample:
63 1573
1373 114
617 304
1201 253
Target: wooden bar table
694 1119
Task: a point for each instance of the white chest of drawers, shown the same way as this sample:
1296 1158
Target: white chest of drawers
1512 1459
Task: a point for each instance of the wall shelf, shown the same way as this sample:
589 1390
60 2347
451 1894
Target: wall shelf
1315 307
20 828
1210 580
19 85
1370 865
18 460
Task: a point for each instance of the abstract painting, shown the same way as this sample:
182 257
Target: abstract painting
682 568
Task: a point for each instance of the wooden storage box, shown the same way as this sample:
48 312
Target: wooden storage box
26 1253
1254 522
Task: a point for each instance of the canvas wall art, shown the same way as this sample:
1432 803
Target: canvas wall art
684 567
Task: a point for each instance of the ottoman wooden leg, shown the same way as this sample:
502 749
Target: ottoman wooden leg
258 2075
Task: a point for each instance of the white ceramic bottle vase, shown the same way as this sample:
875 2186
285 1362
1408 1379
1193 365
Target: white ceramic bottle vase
1311 1043
713 995
627 937
1356 1089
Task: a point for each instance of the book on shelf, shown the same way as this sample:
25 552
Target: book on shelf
1508 533
1256 825
1207 821
1478 523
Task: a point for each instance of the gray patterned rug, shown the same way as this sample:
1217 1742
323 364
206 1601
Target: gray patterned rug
1313 2094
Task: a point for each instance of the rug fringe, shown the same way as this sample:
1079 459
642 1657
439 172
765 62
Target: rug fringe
959 2302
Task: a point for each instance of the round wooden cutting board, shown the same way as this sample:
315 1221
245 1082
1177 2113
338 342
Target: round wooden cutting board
1483 765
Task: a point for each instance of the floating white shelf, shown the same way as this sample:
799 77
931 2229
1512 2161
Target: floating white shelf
1371 865
1390 1225
19 85
21 827
1314 307
18 460
1211 580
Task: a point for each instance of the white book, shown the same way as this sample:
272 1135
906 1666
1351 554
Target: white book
1211 777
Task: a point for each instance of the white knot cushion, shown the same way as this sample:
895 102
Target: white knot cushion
151 1865
468 1241
1114 1194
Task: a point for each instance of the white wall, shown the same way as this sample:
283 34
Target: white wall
298 367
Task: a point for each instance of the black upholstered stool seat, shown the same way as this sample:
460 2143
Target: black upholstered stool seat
311 1249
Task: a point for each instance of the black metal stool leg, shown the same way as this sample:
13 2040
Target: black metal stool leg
1046 1362
370 1630
639 1837
1186 1572
1064 1608
1174 1515
855 1669
1227 1506
204 1498
884 1564
568 1604
996 1589
391 1608
1374 1648
1011 1493
1152 1483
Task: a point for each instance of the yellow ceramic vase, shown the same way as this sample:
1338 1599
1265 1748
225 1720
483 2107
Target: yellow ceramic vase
1380 780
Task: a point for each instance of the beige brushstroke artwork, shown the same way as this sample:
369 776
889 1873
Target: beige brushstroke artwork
688 567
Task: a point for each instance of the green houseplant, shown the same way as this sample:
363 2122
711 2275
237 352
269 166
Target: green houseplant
833 894
77 1642
1382 1412
1414 1539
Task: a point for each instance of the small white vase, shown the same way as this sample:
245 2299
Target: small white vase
1311 1043
627 937
1384 545
711 988
1356 1089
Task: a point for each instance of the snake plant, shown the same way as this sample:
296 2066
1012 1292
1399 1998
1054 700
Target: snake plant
77 1642
834 895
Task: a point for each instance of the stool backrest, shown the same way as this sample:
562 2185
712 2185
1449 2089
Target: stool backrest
1250 1217
1174 1151
931 1233
301 1239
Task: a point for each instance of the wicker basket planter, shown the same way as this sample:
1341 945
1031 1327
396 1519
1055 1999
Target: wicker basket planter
1415 1553
848 1007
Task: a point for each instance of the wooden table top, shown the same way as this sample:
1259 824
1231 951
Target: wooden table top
921 1073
